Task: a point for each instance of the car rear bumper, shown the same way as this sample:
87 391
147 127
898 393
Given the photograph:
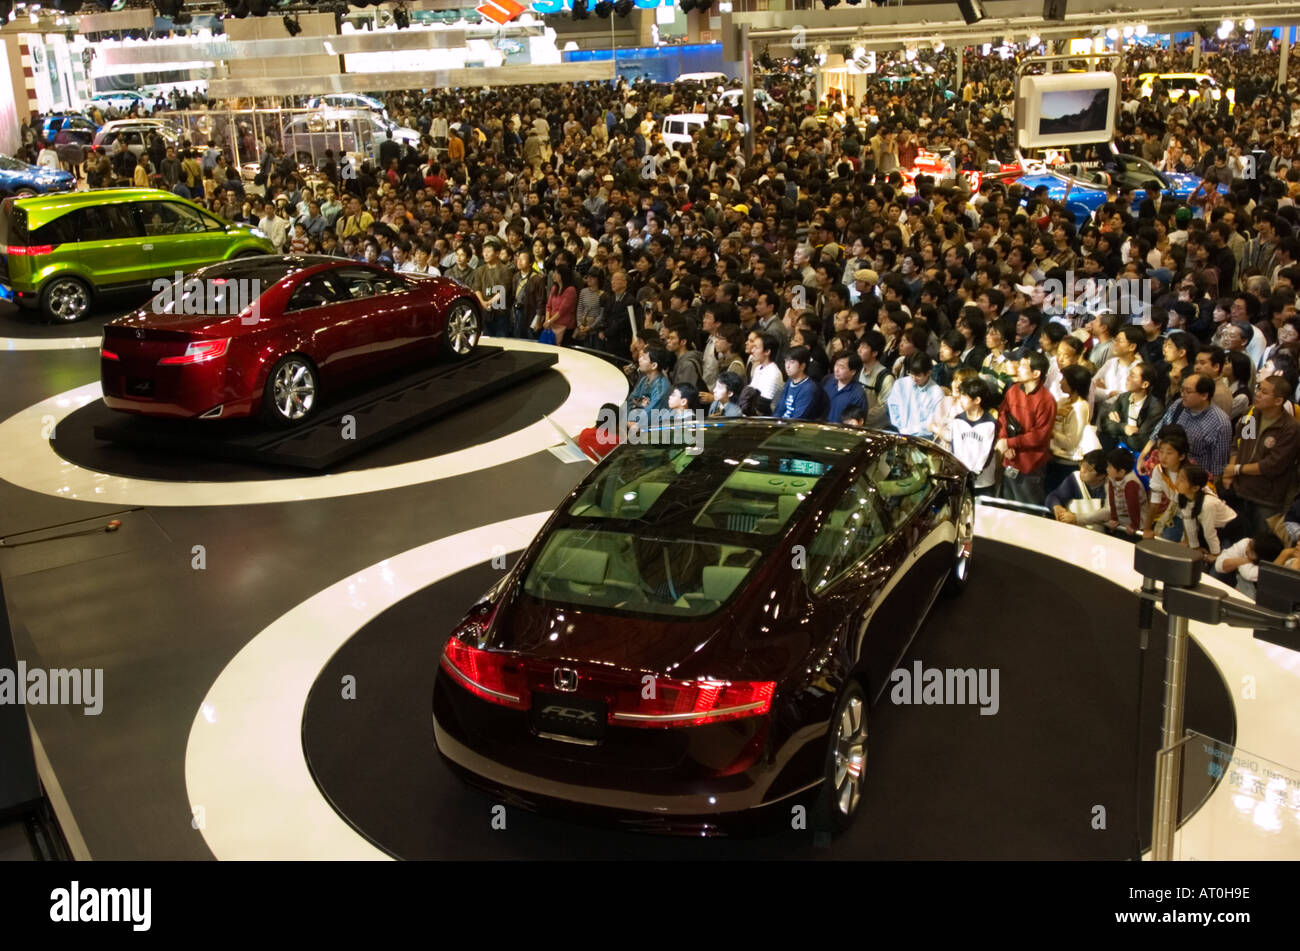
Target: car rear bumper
182 392
548 775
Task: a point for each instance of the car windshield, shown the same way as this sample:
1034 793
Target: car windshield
13 165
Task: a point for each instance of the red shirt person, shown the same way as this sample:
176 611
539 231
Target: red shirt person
1025 432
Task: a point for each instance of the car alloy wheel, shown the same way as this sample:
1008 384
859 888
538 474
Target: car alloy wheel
291 390
847 761
463 330
66 299
24 193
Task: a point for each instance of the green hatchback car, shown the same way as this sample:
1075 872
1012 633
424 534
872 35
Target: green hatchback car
61 252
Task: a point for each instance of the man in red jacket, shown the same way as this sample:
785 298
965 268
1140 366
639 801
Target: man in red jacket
1028 411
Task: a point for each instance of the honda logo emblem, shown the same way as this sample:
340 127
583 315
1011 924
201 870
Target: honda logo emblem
565 679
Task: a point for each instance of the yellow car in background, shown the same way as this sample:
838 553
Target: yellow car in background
1191 85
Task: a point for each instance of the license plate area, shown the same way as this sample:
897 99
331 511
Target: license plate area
138 387
569 717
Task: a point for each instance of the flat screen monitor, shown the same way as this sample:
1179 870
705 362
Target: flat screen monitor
1065 109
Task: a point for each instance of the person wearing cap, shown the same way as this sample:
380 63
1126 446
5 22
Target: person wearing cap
864 285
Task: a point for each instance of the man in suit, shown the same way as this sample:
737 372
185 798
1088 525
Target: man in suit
1136 412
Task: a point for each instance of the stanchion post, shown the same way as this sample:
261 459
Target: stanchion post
1168 767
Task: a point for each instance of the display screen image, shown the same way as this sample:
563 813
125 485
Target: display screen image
1073 111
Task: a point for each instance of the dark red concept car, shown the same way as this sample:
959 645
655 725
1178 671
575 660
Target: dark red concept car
268 334
701 629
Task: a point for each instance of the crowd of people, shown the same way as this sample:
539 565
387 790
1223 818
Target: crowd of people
814 280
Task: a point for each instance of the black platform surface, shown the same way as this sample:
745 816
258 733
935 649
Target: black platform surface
98 438
20 322
943 782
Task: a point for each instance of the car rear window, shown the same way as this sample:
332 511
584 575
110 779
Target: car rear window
639 574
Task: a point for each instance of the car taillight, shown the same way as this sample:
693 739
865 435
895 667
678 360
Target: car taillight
678 703
29 250
109 355
495 676
199 351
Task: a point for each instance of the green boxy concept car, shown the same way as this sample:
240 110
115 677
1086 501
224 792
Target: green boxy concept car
59 252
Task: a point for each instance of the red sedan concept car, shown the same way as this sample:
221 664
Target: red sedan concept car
699 631
268 334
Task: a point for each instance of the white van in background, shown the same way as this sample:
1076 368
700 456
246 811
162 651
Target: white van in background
678 129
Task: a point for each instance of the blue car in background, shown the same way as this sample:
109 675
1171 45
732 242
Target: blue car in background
20 180
53 125
1082 186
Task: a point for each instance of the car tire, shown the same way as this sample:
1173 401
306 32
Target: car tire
25 193
291 392
462 330
960 574
65 299
846 761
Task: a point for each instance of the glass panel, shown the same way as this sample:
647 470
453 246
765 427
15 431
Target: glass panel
619 571
632 483
170 217
105 222
1237 805
314 292
761 495
901 474
852 532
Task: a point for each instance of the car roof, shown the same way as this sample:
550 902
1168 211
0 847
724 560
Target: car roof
272 268
43 208
118 124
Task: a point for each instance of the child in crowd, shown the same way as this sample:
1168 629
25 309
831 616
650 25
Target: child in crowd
855 416
1239 564
974 432
725 389
950 407
1171 458
1126 499
1083 492
1203 512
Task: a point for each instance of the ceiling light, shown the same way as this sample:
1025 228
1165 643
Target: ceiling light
1034 41
1112 33
1225 29
1141 30
580 11
859 52
291 26
1128 32
623 8
604 8
1249 24
402 18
